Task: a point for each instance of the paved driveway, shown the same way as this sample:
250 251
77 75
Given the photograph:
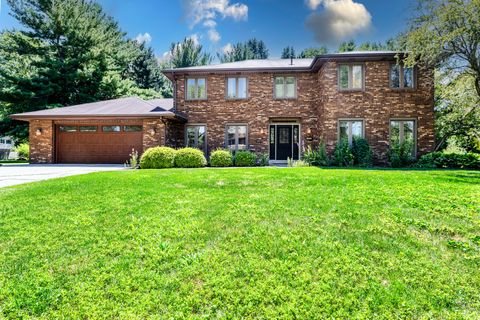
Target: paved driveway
17 174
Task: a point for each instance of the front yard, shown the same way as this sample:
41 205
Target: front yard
253 243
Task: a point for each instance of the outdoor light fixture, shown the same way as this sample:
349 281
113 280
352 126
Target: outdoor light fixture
39 131
309 130
152 131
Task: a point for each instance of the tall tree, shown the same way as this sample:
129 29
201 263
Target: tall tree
188 53
347 46
252 49
288 52
312 52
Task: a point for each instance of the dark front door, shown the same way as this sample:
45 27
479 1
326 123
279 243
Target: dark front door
284 142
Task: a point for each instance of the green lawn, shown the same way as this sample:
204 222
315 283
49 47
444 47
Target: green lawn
243 243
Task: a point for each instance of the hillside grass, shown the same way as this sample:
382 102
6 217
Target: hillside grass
243 243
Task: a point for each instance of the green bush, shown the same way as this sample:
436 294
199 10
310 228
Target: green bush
343 156
245 159
264 160
297 163
23 151
450 160
190 158
221 158
400 155
316 157
157 158
362 153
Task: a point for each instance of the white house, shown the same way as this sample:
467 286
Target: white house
6 147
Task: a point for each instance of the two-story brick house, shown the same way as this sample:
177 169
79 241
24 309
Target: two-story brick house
279 107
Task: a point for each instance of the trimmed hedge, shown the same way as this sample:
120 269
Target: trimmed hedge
157 158
221 158
190 158
450 160
245 159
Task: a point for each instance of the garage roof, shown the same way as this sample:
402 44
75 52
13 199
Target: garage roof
124 107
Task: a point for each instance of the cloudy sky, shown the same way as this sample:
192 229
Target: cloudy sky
218 23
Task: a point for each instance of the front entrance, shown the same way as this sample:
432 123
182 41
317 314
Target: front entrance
284 142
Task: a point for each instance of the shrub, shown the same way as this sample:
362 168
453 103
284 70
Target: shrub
157 158
264 160
221 158
23 151
133 161
400 155
190 158
362 153
245 159
450 160
343 156
297 163
316 157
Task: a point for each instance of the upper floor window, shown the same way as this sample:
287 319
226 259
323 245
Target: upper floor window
196 88
236 137
196 137
285 87
401 77
350 129
237 88
350 77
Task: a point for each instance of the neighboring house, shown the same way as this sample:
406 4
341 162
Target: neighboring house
6 147
279 107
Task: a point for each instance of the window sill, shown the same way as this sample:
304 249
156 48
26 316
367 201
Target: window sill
403 89
350 90
275 98
195 100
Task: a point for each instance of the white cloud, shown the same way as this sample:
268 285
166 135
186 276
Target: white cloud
195 38
339 20
144 38
213 35
313 4
227 48
198 11
210 24
165 57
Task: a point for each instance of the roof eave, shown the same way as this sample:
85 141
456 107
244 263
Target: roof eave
27 117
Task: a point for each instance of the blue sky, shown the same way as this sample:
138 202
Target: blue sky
217 23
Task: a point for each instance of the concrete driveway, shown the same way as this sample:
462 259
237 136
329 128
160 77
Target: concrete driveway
17 174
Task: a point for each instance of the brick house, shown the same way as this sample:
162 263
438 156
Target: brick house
279 107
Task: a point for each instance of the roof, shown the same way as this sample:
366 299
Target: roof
123 107
284 65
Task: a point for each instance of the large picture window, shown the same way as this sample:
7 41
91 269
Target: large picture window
237 88
236 137
401 77
350 129
285 87
196 137
350 77
403 133
196 88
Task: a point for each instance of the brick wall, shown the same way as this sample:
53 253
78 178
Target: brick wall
41 133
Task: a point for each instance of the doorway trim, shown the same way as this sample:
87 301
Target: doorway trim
284 122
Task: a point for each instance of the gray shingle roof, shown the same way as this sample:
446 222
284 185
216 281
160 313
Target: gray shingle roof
253 64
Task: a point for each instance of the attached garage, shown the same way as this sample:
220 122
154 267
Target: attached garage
101 132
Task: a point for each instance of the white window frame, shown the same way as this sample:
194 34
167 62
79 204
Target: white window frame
349 133
196 79
196 126
350 76
284 97
236 135
402 77
236 97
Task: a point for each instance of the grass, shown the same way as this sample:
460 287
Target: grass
243 243
12 161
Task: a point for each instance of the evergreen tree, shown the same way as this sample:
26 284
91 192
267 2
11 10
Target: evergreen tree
312 52
252 49
188 54
288 52
347 46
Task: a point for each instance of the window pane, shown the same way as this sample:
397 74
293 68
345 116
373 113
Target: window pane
231 137
284 135
344 130
343 74
279 87
242 88
2 141
395 76
231 88
394 132
242 137
290 87
8 141
409 136
202 92
111 129
408 78
88 129
357 78
357 130
132 128
191 136
191 90
201 137
68 129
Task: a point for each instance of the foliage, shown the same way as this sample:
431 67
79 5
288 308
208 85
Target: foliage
188 53
312 52
318 157
362 153
23 151
450 160
133 162
236 243
264 160
400 154
245 159
297 163
252 49
190 158
288 52
347 46
157 158
221 158
343 156
389 45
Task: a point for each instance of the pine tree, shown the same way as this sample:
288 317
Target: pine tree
288 52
